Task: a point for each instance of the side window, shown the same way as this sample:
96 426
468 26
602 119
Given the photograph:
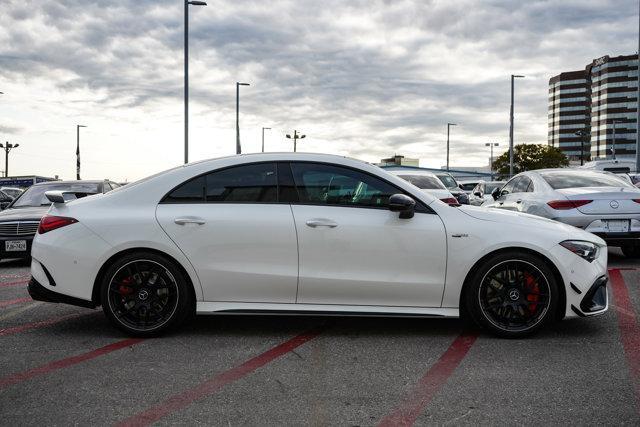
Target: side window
106 187
531 187
508 187
332 185
190 192
255 183
522 185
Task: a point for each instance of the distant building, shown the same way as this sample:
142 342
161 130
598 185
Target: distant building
591 100
399 161
24 181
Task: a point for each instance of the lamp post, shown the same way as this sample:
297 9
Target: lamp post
582 134
295 138
186 74
513 76
78 150
263 129
7 147
491 144
449 127
238 147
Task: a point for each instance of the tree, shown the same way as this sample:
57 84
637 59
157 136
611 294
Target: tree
528 157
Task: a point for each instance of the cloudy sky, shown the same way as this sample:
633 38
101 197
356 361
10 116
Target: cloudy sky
361 78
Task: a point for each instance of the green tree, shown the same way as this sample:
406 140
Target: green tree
528 157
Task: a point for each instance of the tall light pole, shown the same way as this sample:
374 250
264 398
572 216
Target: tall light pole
7 147
296 136
238 147
186 74
449 127
513 76
263 129
491 144
78 150
583 134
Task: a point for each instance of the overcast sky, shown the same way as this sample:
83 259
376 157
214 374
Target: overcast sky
365 79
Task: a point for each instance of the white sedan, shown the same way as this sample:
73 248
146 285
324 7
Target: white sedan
427 182
308 233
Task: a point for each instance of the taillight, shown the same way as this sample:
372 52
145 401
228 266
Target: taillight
452 201
636 200
567 204
50 222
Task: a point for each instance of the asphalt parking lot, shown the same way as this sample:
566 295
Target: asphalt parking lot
64 365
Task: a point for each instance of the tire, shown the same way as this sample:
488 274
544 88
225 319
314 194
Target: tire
146 294
512 294
631 251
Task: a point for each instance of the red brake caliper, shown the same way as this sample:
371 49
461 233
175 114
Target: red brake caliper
125 286
532 286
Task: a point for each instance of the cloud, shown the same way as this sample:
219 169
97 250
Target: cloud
362 78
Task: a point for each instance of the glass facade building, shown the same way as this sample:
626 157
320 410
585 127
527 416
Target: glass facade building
602 101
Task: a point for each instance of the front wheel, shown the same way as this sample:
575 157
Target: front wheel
512 294
145 294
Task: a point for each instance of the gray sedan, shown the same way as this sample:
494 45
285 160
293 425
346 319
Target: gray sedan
599 202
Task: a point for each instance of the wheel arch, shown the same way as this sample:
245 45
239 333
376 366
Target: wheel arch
95 292
556 273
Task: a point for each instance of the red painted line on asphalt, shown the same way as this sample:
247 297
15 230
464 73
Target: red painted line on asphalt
187 397
629 329
66 362
14 301
40 324
432 381
6 285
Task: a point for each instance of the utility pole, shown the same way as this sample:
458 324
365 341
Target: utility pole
238 147
513 76
295 138
263 138
491 144
186 74
448 127
7 147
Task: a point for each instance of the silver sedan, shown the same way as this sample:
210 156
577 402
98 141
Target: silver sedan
599 202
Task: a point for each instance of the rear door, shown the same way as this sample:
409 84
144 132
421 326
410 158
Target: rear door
239 238
354 251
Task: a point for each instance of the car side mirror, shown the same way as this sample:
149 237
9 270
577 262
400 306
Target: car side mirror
460 186
477 194
403 204
495 193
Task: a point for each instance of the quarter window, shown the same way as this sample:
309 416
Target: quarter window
522 185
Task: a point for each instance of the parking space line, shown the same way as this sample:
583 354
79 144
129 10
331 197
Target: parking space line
211 386
629 329
14 301
40 324
66 362
8 284
432 381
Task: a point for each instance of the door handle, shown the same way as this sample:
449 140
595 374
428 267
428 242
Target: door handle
189 220
519 201
313 223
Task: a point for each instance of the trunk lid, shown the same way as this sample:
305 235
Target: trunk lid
605 200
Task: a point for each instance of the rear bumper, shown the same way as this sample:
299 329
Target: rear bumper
40 293
620 239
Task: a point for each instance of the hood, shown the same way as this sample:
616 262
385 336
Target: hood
530 222
26 213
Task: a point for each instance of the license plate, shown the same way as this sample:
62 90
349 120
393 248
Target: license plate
617 226
15 245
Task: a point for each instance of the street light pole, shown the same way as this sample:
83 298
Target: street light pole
513 76
448 127
7 147
238 147
583 134
295 138
186 74
78 150
263 138
491 144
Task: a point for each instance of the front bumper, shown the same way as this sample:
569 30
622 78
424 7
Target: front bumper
4 254
595 301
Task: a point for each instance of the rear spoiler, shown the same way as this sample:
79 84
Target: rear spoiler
57 196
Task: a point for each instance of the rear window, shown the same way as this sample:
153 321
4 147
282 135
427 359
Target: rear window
424 181
560 180
34 196
448 181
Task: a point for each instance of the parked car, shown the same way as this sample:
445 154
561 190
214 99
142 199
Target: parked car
13 192
612 165
452 185
19 221
599 202
468 185
5 200
427 182
482 192
267 233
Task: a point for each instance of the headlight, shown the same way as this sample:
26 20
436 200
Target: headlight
585 250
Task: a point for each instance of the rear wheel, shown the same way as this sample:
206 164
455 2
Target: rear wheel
512 294
631 251
145 294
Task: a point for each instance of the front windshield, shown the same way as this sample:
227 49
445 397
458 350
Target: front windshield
34 196
424 182
448 181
